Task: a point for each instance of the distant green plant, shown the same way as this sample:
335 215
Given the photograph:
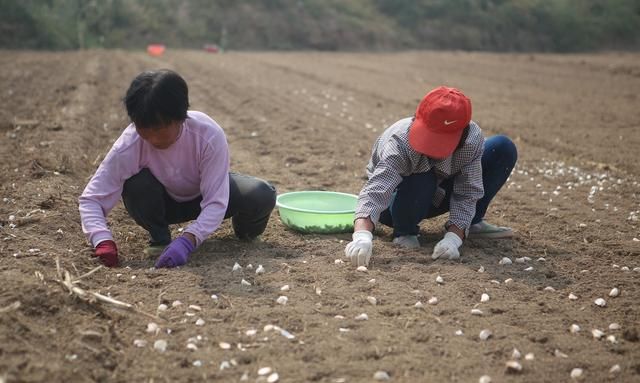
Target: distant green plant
497 25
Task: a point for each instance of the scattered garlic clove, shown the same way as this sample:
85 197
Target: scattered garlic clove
224 345
139 342
516 354
614 326
260 270
559 354
574 329
264 371
152 327
236 267
476 312
195 308
251 332
160 345
372 300
573 297
459 332
200 322
245 283
481 270
485 379
597 334
530 356
530 268
372 280
508 280
285 288
576 373
615 369
318 291
162 307
624 268
273 378
338 261
484 298
225 365
381 376
614 292
282 300
505 261
433 301
192 347
439 280
549 288
520 260
362 268
600 302
249 267
541 259
485 334
513 367
418 305
612 339
362 317
176 303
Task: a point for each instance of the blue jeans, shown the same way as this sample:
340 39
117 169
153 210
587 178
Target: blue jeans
412 201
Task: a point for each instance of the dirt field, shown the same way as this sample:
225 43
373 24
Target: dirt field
307 121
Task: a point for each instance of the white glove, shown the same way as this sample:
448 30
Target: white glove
359 250
448 247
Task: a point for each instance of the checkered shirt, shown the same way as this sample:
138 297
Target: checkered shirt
393 158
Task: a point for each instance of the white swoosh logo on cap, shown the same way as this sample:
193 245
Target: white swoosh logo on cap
449 122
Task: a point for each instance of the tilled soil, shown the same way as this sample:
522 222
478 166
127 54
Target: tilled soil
306 121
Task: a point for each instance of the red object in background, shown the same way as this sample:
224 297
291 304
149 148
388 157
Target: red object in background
155 49
211 48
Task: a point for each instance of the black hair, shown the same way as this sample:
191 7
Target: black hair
157 98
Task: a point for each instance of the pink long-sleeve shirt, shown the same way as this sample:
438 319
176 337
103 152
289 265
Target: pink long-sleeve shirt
197 164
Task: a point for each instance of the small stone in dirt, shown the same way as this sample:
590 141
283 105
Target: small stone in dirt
513 367
600 302
362 317
485 334
160 345
576 373
381 376
614 292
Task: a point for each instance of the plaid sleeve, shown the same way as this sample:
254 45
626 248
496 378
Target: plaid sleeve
467 190
385 177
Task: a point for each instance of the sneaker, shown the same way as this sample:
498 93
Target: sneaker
483 229
407 241
154 251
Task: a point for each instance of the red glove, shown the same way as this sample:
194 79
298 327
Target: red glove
108 253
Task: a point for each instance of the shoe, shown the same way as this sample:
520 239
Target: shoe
154 251
483 229
407 241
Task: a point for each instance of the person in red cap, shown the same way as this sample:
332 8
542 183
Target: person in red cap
423 166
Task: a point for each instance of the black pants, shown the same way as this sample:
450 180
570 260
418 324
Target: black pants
251 201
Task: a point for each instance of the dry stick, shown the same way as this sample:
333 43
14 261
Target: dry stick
87 274
89 296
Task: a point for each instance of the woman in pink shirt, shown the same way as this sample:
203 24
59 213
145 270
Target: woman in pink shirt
171 165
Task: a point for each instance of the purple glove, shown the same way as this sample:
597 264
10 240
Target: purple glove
176 254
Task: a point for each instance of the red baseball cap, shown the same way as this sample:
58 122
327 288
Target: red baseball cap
439 122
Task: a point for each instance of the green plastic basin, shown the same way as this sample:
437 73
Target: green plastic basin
321 212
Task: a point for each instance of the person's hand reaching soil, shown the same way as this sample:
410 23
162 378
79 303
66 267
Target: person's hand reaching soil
177 253
107 252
